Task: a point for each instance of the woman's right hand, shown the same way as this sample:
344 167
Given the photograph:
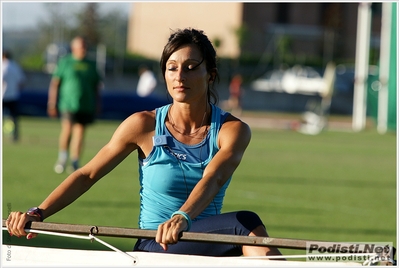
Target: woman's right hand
169 231
16 223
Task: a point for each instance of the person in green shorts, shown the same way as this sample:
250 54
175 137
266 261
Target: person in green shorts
74 95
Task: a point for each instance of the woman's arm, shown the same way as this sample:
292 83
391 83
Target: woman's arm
84 178
234 138
125 140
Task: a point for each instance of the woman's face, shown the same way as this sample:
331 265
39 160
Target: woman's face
186 76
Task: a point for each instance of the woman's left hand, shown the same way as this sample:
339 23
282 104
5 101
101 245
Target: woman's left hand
169 231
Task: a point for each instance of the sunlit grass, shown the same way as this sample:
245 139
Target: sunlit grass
336 186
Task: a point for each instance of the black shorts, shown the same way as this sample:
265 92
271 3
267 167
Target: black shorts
11 107
232 223
80 118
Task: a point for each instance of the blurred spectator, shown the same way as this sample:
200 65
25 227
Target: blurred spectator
147 82
235 91
75 91
12 79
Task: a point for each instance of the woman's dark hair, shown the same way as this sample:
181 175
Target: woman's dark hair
188 36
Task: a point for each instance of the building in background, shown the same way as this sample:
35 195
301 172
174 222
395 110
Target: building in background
314 29
150 25
251 38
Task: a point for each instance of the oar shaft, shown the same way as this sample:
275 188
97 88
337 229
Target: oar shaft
186 236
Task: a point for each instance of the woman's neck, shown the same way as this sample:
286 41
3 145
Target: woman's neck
188 121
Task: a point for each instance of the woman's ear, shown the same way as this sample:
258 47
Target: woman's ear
212 75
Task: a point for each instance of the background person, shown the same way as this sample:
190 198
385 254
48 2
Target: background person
75 91
147 82
235 91
187 153
12 79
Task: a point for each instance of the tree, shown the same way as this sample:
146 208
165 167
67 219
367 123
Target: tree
241 33
113 29
64 21
57 27
88 24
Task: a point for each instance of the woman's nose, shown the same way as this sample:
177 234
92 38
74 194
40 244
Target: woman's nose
180 75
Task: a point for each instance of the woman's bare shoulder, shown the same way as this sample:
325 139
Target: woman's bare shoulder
141 119
138 124
234 122
234 128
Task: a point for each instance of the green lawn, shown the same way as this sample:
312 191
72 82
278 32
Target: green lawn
336 186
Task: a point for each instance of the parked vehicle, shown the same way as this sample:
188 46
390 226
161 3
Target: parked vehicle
298 79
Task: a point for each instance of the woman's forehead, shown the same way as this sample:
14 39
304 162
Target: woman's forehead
186 52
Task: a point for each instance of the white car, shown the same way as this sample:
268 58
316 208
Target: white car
298 79
271 81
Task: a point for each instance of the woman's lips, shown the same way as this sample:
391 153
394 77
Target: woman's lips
180 88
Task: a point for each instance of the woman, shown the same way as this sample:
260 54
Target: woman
187 154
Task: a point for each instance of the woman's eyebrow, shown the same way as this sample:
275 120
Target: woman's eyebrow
190 59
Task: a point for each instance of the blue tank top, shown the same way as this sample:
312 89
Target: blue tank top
172 169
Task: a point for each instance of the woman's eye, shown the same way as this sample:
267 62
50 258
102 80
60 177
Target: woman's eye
188 67
193 66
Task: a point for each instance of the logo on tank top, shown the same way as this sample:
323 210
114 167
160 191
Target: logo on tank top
180 156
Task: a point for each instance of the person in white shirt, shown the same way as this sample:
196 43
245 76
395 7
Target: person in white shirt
12 80
147 82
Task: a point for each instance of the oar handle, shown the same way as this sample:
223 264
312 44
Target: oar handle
185 236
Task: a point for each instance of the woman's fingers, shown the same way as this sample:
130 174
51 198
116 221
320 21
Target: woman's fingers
16 223
13 223
31 235
164 246
169 231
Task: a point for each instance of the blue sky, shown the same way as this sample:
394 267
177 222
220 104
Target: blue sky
18 15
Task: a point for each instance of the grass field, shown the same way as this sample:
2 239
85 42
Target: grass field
336 186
